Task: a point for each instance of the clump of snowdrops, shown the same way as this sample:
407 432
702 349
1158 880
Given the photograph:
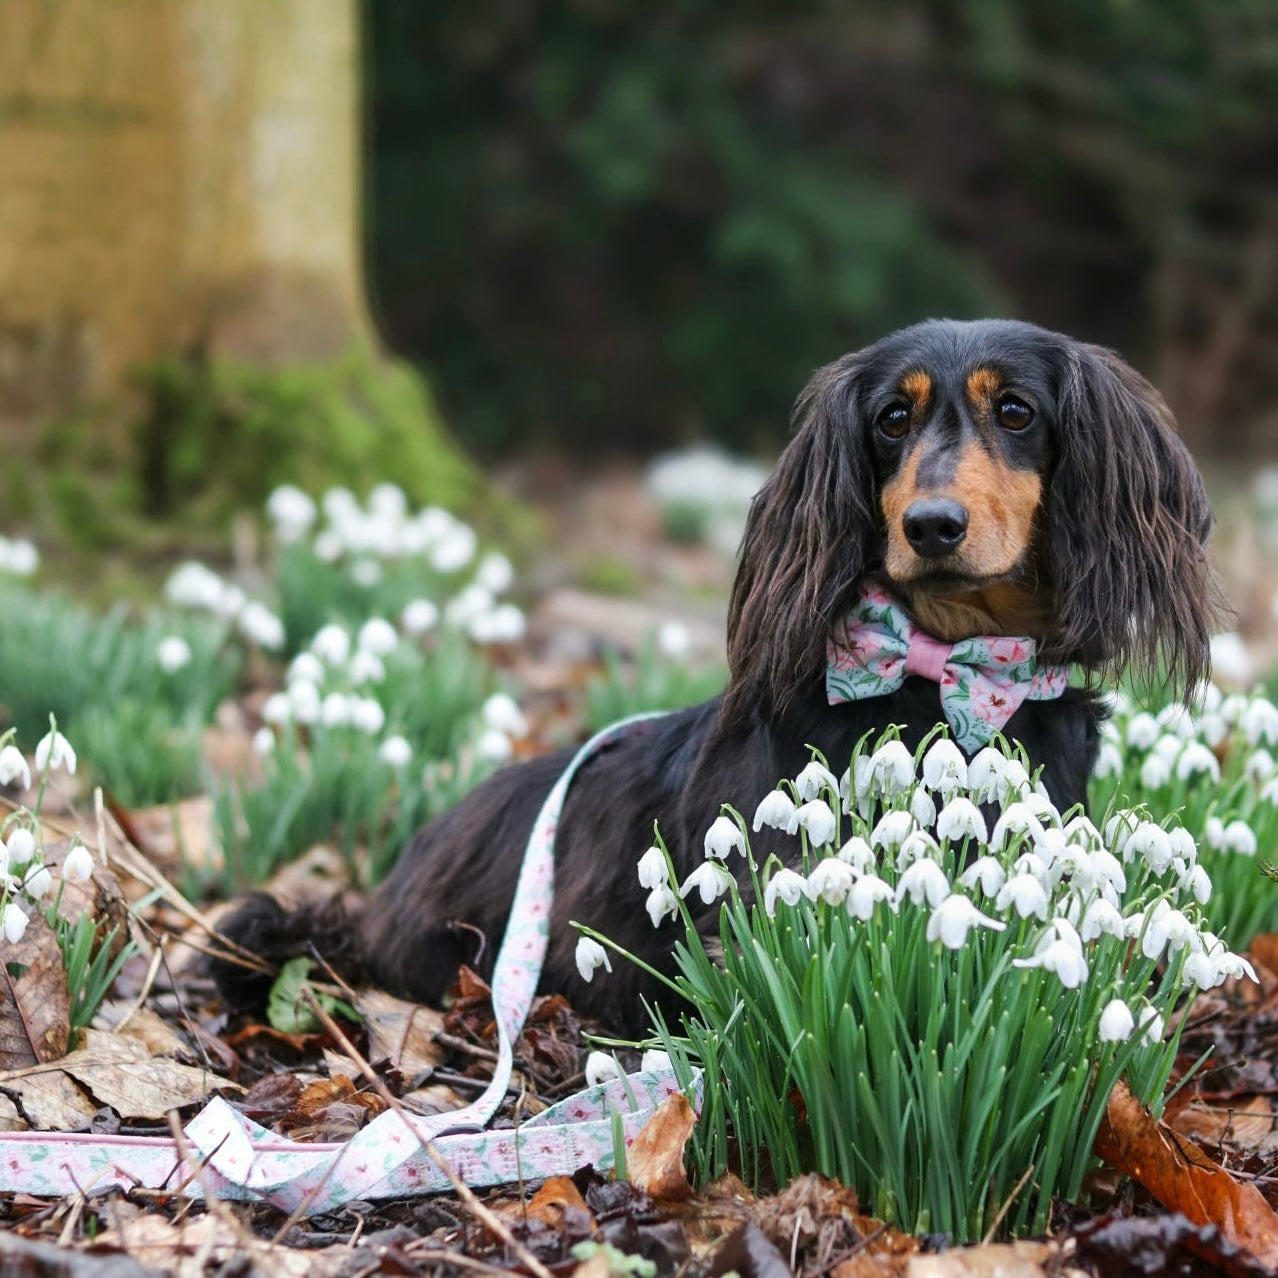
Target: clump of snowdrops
933 996
1215 766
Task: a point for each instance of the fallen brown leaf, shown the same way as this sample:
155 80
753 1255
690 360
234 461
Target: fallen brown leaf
654 1161
993 1260
35 1009
400 1032
1244 1122
1181 1176
557 1196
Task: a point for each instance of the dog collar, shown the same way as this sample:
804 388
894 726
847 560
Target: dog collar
983 680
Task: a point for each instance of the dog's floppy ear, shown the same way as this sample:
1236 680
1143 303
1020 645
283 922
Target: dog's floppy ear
811 535
1128 521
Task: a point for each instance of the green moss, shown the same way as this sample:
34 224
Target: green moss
610 575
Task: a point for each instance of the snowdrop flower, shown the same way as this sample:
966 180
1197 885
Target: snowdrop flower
1116 1022
1259 722
961 819
944 768
986 871
1175 718
367 715
923 808
419 616
777 810
291 511
335 710
18 556
591 956
192 585
951 921
985 774
785 885
332 644
1230 660
1169 930
723 838
892 830
1058 956
328 546
504 624
815 778
1151 1023
1197 760
303 701
1109 761
277 708
1197 881
261 626
1237 836
891 768
674 640
54 751
501 711
710 879
866 893
1015 783
923 881
366 667
655 1061
306 665
1200 970
1269 792
831 881
1259 766
653 871
817 821
455 549
263 741
601 1068
1025 894
1101 918
12 766
1083 833
857 853
14 923
494 746
78 864
1105 867
388 501
495 572
1213 729
662 901
1155 772
37 882
1151 842
377 636
915 847
1142 731
1234 965
396 751
1016 821
1032 864
173 653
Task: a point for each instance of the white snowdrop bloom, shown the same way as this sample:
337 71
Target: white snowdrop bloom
303 701
777 810
1232 707
277 708
230 602
332 644
892 830
1230 660
1234 965
54 751
291 511
172 653
1109 761
1101 918
388 501
961 819
1105 867
1269 792
1079 830
655 1061
813 780
263 741
985 774
14 923
653 871
867 892
1061 958
1015 823
1116 1022
723 838
455 549
37 882
78 864
857 853
1236 836
419 616
1167 930
467 604
495 572
366 667
891 769
503 624
662 901
1032 864
591 956
1206 698
377 636
335 710
1116 701
1151 842
710 879
1259 766
366 572
784 885
1196 760
13 766
339 503
601 1068
915 846
494 746
674 640
1259 722
923 881
944 768
396 751
1025 894
1198 882
923 808
19 556
1182 844
1119 830
192 585
1155 772
1176 719
1213 729
1200 970
306 665
988 872
831 881
1142 731
1151 1024
1014 783
328 546
367 715
1169 746
816 819
501 711
951 921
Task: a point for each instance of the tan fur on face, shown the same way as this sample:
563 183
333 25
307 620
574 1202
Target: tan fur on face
982 385
917 387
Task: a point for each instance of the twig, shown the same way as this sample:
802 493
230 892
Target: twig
1007 1203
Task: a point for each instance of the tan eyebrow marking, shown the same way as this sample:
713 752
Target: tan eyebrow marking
917 385
982 385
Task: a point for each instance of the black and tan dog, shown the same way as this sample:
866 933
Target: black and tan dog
997 478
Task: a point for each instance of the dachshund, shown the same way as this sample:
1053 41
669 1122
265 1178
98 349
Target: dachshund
996 479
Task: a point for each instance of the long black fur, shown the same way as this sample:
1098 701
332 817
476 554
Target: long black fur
1117 554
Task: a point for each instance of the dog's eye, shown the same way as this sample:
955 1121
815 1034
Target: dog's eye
894 421
1013 413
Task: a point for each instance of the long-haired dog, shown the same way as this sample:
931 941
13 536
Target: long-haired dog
997 479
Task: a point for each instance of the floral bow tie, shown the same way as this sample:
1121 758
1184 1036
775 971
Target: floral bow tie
983 680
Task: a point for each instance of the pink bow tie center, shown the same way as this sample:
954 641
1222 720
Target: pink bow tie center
927 656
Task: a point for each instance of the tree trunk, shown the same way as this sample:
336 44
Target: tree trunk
176 176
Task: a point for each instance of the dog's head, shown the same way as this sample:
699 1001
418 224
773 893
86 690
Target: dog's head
1000 479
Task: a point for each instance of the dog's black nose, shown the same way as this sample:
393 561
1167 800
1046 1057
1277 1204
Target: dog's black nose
935 526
